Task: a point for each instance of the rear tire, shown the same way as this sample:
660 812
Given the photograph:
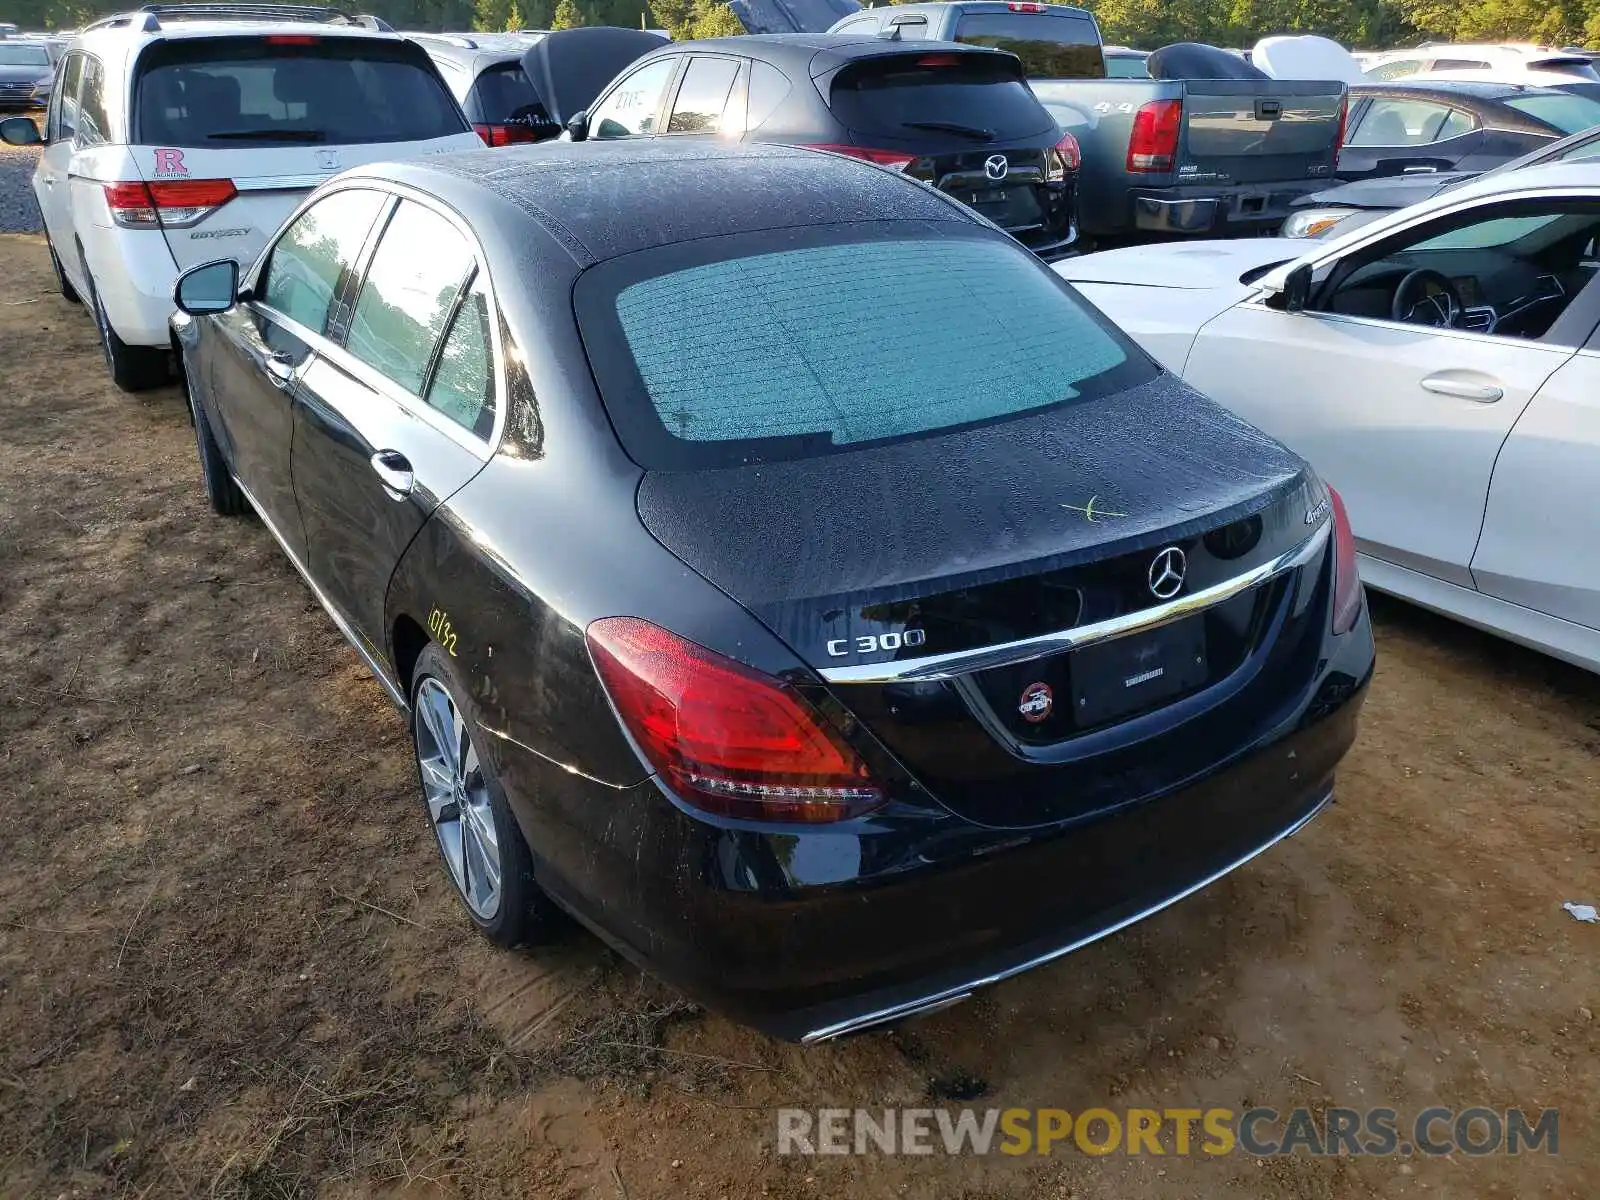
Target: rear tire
133 368
223 493
479 840
68 292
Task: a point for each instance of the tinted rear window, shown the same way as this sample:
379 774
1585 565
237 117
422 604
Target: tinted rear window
753 348
504 93
222 92
1566 112
1126 67
899 95
1049 46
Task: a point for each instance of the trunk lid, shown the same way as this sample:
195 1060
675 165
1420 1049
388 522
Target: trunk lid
986 537
1255 131
275 115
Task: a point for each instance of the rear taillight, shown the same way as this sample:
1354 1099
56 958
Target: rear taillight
1346 580
1154 144
895 160
504 135
174 203
1344 118
726 738
1065 156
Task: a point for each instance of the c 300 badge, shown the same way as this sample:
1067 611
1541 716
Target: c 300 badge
1037 701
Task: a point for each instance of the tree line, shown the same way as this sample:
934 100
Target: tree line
1360 24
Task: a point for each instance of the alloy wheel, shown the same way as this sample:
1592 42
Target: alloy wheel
458 799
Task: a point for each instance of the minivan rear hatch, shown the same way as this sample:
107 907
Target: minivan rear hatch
231 132
900 448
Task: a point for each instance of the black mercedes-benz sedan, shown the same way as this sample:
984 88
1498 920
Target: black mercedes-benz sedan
783 571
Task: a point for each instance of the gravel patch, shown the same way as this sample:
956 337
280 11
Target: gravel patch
19 212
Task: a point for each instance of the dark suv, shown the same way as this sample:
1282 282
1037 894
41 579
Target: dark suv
958 117
484 72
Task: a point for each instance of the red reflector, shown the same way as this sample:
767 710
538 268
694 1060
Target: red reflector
724 737
1028 8
192 193
897 160
1154 143
1338 136
504 135
939 60
1346 580
291 39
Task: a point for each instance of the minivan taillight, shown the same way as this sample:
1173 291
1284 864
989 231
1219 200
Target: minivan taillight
504 135
1346 580
174 203
1153 147
724 737
895 160
1064 157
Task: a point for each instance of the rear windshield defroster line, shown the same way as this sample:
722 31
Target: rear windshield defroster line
793 344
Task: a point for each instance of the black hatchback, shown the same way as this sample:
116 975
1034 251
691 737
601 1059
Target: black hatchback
782 570
959 117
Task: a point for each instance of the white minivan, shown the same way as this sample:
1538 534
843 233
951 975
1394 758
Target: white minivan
181 134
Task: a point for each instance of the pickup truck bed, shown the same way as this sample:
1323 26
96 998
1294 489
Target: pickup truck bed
1246 151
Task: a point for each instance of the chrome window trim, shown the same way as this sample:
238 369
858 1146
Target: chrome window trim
380 383
980 658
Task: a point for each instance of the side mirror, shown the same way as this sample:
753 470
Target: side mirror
212 288
578 127
1297 288
20 131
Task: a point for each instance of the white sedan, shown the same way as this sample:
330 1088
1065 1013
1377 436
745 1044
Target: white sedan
1440 367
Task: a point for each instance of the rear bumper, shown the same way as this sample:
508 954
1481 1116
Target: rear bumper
1227 211
808 934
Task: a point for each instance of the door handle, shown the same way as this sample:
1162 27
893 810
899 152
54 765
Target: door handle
280 366
394 469
1446 383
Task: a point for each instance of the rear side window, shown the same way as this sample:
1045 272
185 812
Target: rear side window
462 387
409 295
977 331
287 90
94 127
1125 67
66 101
1049 46
303 272
768 89
703 95
504 93
630 109
1409 123
1568 113
913 95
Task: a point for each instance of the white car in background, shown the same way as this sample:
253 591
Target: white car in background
1440 367
180 134
1504 63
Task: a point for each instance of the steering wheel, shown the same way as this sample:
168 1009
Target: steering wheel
1426 297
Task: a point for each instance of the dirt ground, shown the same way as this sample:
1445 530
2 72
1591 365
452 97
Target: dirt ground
230 965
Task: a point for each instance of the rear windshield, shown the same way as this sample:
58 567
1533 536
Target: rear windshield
1049 46
1126 67
23 56
752 348
1568 113
289 90
913 95
505 93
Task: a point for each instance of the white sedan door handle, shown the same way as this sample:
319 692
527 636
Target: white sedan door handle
1484 390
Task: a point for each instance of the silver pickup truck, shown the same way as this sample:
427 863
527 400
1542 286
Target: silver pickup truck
1161 157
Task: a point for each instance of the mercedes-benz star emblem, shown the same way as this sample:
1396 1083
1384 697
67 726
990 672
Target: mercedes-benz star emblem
1166 573
996 166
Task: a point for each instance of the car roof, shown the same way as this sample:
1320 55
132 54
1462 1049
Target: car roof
798 49
675 191
452 48
1446 88
157 22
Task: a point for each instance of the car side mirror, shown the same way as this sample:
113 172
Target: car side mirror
1297 288
20 131
208 289
578 127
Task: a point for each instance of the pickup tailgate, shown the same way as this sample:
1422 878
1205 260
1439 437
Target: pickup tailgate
1259 131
